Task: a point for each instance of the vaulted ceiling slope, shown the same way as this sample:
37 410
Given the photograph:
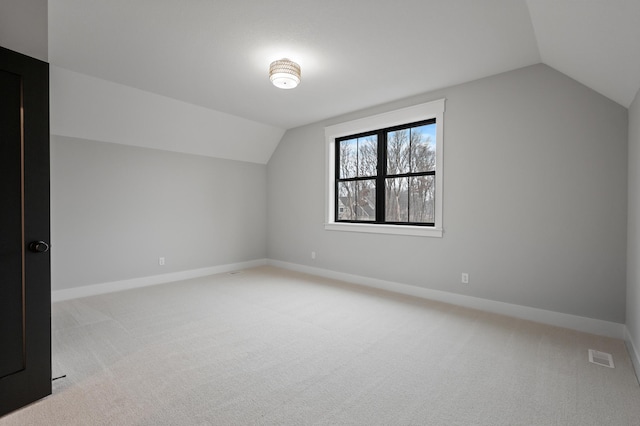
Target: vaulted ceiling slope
354 54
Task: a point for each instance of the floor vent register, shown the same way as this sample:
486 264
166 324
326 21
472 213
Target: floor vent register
601 358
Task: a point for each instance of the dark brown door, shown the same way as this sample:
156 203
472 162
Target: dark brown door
25 283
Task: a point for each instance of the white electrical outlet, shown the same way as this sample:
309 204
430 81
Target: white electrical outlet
464 279
313 254
161 261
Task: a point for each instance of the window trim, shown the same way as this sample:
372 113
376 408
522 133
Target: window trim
434 109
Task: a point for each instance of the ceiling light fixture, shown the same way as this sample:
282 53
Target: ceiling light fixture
284 73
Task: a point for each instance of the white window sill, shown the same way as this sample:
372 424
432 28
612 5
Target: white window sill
417 231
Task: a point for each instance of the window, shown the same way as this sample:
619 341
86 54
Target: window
387 176
384 173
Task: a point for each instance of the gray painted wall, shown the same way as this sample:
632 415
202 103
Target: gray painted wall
535 189
117 208
24 27
633 238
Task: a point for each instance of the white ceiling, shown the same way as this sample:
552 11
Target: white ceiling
354 53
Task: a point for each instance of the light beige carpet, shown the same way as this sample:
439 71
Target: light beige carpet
271 347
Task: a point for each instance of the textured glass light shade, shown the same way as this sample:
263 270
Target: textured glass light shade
284 73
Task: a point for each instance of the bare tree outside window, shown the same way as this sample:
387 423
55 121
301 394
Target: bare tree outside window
368 156
349 158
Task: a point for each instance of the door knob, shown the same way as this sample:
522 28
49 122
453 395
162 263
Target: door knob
39 247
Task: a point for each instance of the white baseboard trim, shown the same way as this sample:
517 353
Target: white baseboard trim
574 322
110 287
632 348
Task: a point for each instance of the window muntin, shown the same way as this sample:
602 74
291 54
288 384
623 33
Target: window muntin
387 176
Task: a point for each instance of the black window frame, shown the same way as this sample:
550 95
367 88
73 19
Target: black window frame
381 175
